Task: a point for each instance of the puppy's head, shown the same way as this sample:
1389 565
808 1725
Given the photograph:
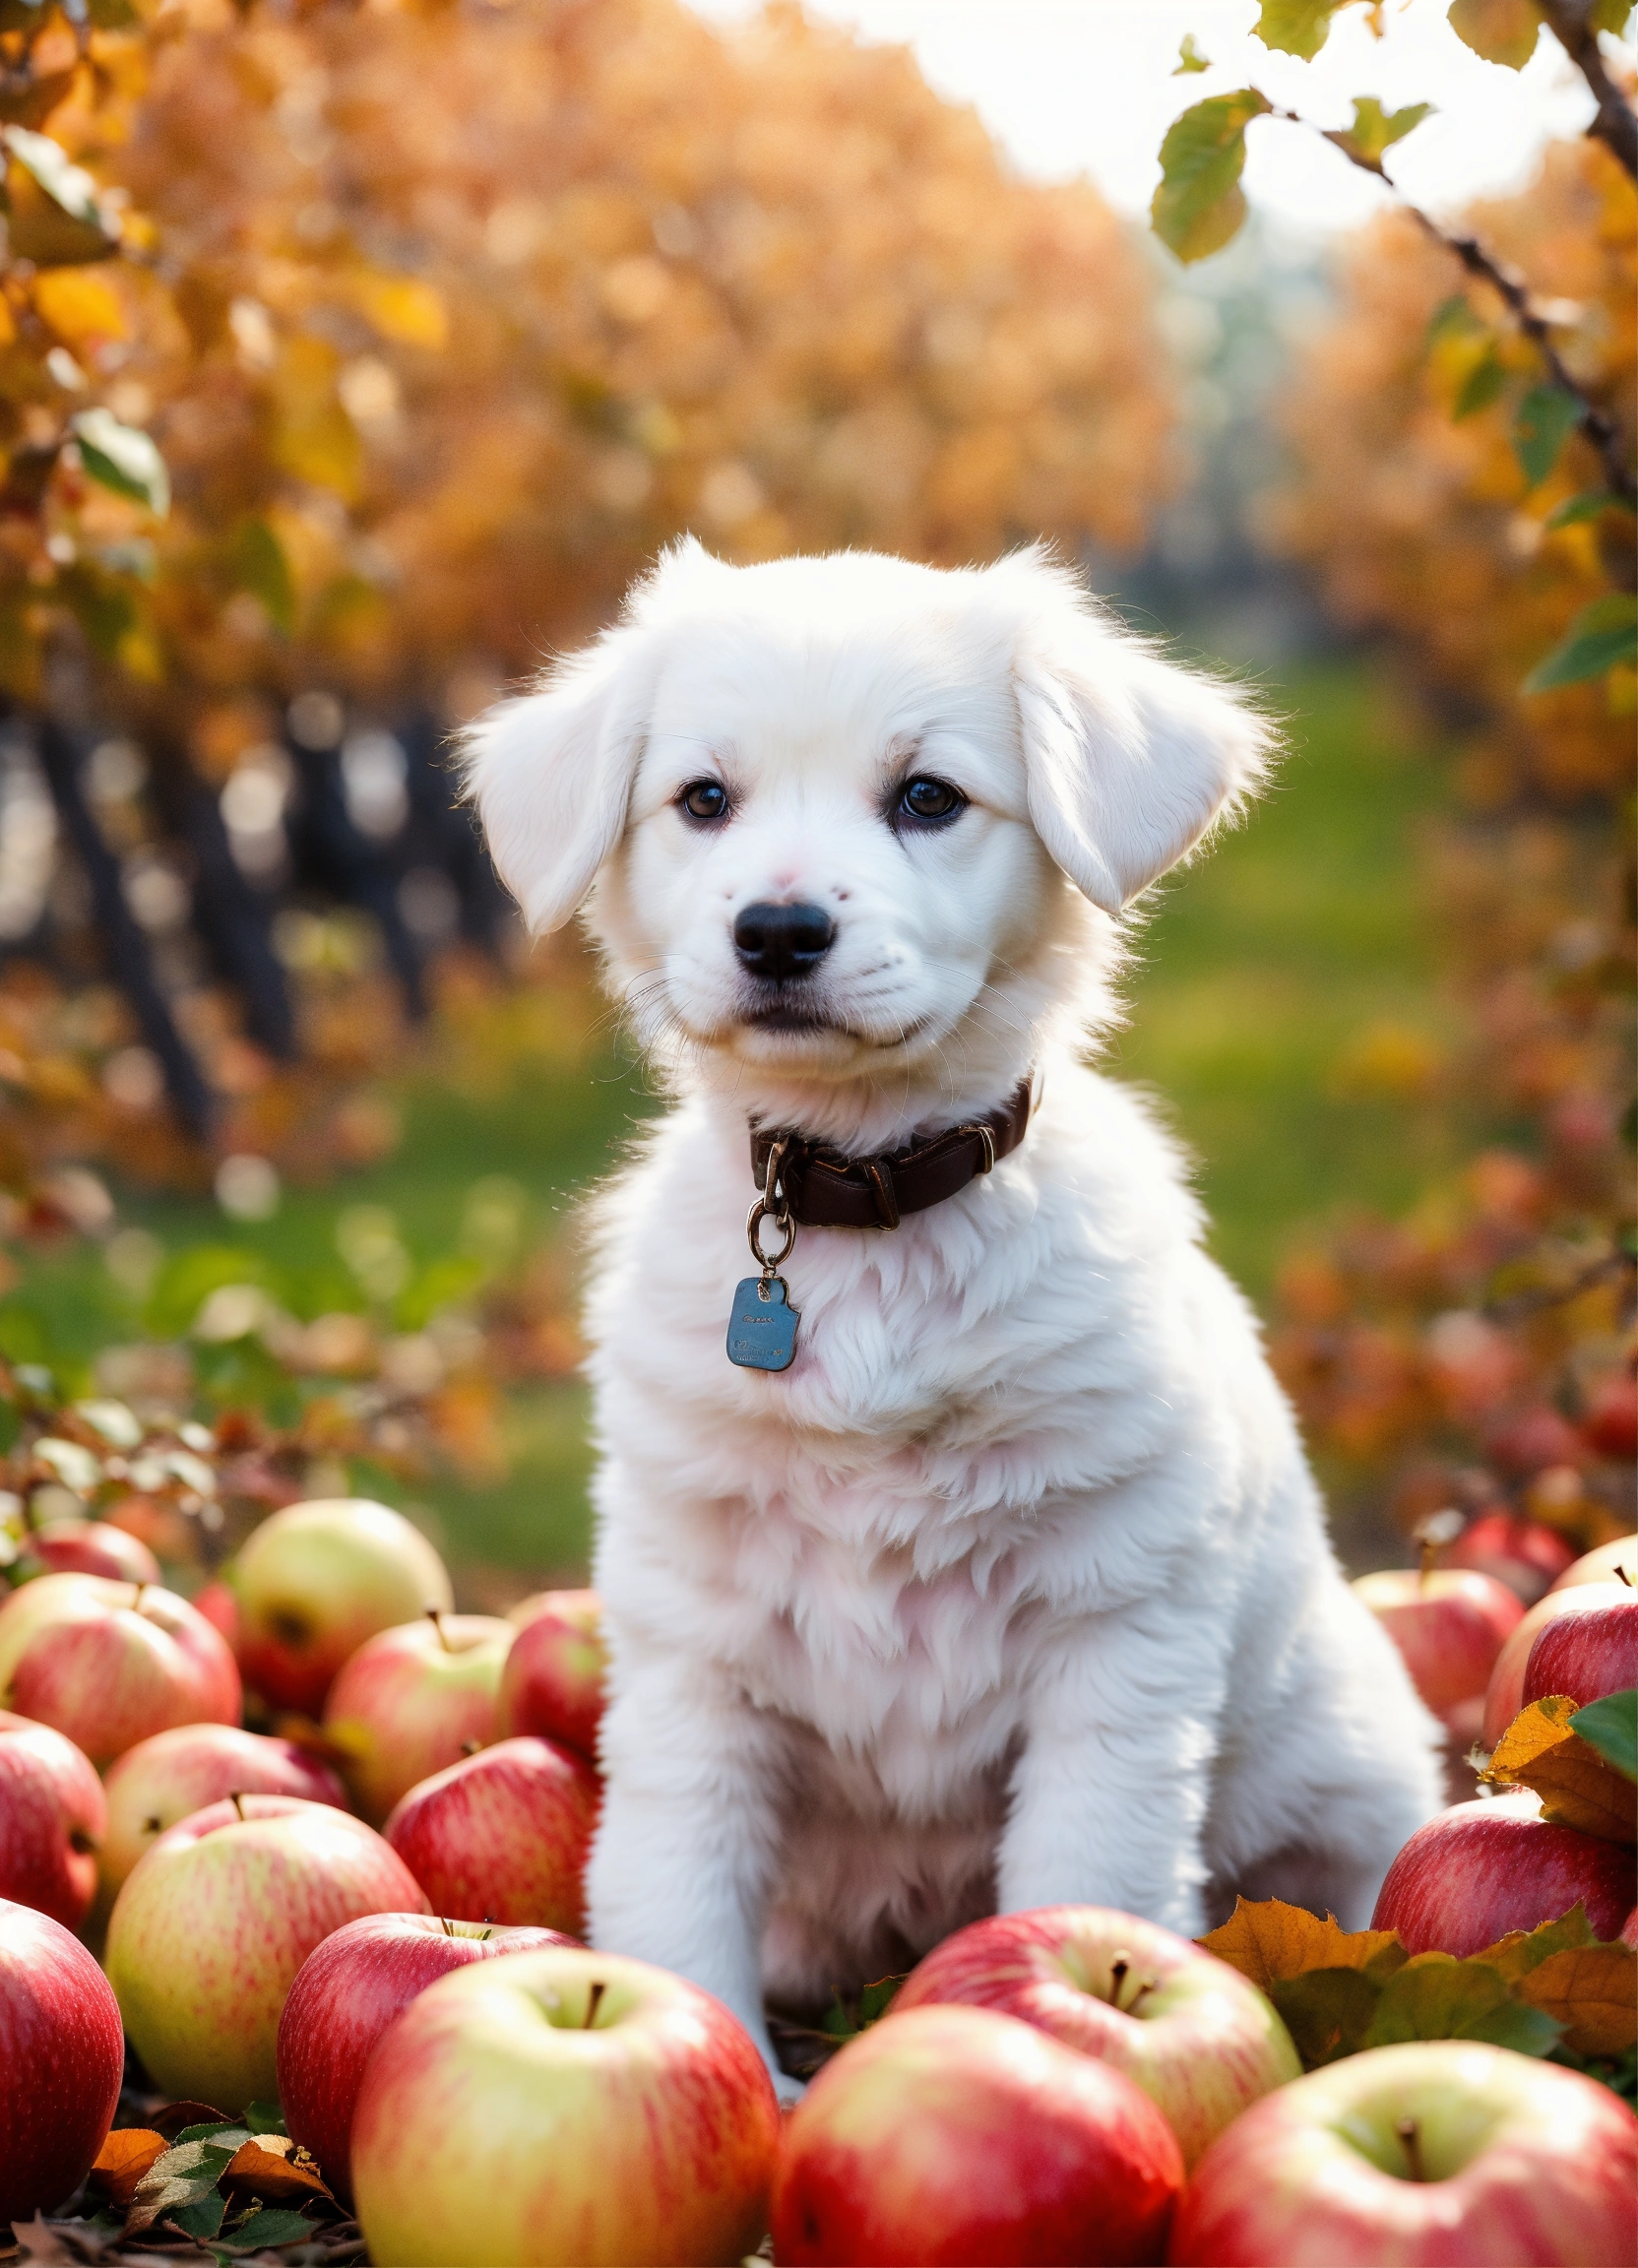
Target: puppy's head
839 817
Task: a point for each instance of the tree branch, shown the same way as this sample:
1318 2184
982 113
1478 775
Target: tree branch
1513 290
1616 126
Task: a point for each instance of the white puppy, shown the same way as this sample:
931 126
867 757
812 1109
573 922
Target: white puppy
1014 1587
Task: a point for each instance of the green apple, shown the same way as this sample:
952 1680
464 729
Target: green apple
315 1581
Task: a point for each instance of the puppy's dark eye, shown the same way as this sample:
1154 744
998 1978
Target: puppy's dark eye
925 798
705 800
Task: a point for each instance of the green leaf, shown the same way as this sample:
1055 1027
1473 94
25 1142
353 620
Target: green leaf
266 2118
1591 504
1501 31
262 568
1453 319
1610 1726
1327 2012
203 2219
1199 205
123 458
1433 1998
1480 388
1189 58
65 183
876 1999
1374 129
225 2134
1601 636
1547 417
1520 1951
1296 26
270 2225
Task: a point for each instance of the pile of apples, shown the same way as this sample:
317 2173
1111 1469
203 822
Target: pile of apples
370 1917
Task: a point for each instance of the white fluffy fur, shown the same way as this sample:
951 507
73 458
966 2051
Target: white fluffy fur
1016 1587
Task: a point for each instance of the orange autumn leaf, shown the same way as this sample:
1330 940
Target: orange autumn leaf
1541 1751
1593 1991
1518 1952
275 2169
1269 1941
124 2159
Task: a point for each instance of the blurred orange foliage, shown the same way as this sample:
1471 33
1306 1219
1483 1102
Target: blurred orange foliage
1481 1351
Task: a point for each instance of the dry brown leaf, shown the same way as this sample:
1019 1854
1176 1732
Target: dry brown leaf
123 2159
275 2169
1593 1991
1269 1941
1578 1788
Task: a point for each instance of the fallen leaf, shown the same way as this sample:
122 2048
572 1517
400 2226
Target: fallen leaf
123 2159
1592 1991
268 2227
1520 1951
1326 2011
1434 1997
1541 1750
187 2172
176 2116
1267 1940
275 2169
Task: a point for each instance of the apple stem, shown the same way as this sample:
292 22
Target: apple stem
594 2000
1429 1557
1118 1969
1410 2135
136 1604
235 1796
443 1923
436 1616
1624 1575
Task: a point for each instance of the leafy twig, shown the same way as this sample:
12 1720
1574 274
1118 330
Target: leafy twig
1514 293
1616 126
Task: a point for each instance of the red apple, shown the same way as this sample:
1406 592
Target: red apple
957 2134
1190 2029
1449 1624
1610 1422
1504 1695
110 1664
553 1681
1585 1656
62 2058
1437 2150
92 1548
502 1836
1522 1553
318 1579
1602 1564
414 1699
348 1991
178 1773
1472 1873
211 1928
565 2106
221 1610
52 1818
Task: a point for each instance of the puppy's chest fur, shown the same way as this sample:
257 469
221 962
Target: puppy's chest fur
878 1547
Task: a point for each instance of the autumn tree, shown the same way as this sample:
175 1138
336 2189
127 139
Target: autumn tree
1462 436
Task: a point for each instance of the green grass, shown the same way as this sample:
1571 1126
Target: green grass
1258 974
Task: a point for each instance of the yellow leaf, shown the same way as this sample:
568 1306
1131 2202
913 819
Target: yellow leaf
1266 1941
79 304
1577 1787
1593 1991
1520 1951
401 308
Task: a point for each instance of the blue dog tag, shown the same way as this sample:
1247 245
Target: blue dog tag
762 1329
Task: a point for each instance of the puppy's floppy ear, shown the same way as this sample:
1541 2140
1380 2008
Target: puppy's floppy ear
1129 758
551 771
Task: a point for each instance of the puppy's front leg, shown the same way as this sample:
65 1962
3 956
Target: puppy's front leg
684 1851
1109 1797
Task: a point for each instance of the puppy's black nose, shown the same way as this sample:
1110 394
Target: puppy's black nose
780 942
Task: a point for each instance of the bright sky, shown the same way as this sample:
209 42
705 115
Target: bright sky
1083 85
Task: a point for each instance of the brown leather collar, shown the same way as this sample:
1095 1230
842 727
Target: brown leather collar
825 1189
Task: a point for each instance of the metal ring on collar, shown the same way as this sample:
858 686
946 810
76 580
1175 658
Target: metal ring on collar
762 1211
